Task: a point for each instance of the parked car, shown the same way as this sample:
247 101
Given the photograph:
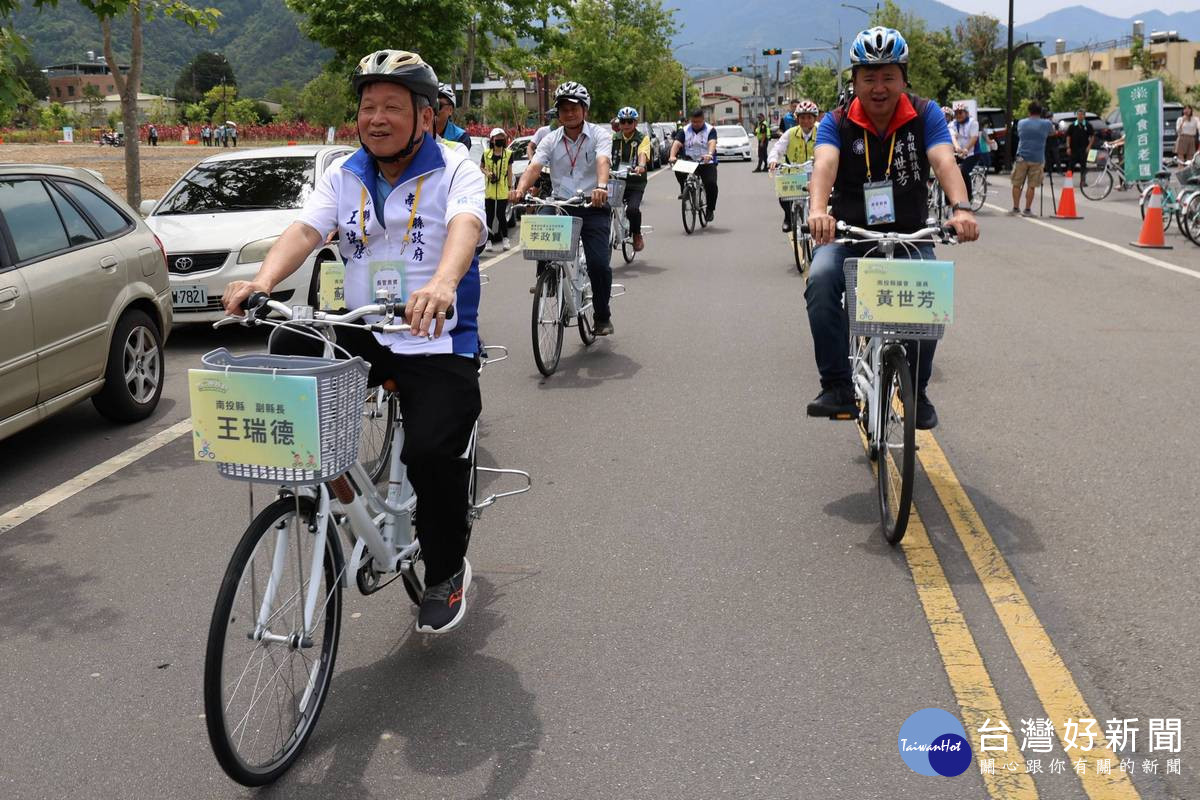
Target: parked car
1171 114
666 133
220 219
733 142
656 156
85 307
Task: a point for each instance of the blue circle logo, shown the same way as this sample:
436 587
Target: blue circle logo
933 742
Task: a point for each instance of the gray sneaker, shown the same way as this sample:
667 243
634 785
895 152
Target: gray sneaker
443 606
1014 212
1027 213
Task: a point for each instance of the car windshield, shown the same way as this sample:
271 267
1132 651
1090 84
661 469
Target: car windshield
730 131
242 185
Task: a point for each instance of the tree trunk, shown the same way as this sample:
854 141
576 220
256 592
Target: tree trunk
467 68
128 88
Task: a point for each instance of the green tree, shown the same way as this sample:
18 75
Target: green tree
195 113
978 37
160 113
925 74
327 100
612 46
816 82
1028 84
661 97
55 116
1079 91
504 110
95 103
202 73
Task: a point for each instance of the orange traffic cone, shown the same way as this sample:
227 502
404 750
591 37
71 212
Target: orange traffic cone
1066 201
1152 226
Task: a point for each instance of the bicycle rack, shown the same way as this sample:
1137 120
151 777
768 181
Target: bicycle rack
477 509
615 293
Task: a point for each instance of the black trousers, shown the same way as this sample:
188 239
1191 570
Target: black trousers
439 401
496 212
633 208
762 155
708 176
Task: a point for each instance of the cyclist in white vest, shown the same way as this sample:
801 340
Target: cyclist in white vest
698 142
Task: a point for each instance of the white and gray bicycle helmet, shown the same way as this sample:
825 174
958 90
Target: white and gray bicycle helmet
807 107
445 91
878 45
405 69
572 92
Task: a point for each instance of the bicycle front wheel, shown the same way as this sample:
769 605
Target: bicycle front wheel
897 446
381 411
1189 218
702 205
979 189
627 251
265 677
688 206
1097 184
548 321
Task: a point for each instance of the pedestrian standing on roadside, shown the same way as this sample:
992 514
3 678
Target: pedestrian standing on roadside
762 132
205 136
1029 164
1187 130
152 135
1080 140
233 134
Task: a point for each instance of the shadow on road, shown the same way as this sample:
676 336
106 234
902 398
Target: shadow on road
590 367
438 703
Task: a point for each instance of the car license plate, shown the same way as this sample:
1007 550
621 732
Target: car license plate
192 296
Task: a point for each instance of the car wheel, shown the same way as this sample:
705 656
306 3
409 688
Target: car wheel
133 377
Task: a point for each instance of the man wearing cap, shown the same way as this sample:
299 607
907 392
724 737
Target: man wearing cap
697 141
409 213
497 171
579 155
443 123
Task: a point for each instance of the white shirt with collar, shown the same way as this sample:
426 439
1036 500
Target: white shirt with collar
346 198
573 164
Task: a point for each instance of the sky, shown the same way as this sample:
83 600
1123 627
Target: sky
1026 11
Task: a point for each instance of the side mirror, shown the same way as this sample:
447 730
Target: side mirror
146 207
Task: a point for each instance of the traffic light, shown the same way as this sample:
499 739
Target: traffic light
734 69
772 51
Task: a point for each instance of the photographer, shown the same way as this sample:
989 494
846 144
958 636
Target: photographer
497 170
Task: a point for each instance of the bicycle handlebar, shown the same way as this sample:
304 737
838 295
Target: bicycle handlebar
941 234
258 303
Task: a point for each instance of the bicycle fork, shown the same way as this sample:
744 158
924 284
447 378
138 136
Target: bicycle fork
320 528
866 383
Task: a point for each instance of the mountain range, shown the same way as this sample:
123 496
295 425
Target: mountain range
263 42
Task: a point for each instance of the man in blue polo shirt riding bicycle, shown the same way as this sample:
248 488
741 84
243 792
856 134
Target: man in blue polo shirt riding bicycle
871 161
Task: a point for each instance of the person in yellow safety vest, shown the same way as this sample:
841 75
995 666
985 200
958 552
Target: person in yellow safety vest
762 132
497 172
795 146
631 151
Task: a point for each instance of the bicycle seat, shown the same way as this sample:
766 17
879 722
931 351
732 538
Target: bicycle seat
1162 174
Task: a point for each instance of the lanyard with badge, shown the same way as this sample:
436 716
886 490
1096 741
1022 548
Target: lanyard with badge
878 196
389 275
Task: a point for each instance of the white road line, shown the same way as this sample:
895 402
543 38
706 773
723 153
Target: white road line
1116 248
49 499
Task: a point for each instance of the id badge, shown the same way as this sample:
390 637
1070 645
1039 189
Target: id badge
388 276
880 203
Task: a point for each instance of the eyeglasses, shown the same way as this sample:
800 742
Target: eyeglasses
444 106
629 122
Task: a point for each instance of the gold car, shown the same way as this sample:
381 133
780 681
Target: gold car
85 306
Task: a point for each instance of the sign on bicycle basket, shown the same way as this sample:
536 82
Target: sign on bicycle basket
905 291
264 420
546 232
685 166
331 289
791 184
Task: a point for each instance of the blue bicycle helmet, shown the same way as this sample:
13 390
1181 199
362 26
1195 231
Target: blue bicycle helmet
628 112
879 45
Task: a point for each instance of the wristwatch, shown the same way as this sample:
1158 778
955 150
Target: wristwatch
962 207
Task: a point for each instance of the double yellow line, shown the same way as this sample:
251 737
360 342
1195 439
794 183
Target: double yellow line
977 698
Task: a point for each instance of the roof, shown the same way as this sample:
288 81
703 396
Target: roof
292 151
494 85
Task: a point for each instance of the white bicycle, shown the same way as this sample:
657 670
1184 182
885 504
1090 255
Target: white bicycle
273 638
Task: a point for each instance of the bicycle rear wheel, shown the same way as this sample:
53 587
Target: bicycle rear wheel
1189 218
897 444
627 251
1097 184
381 411
688 206
586 320
702 205
548 320
1167 214
262 698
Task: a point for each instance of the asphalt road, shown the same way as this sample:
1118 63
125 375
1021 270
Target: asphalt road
695 600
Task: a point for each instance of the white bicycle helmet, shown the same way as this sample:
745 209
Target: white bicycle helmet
807 107
628 112
445 91
572 92
404 69
961 106
879 45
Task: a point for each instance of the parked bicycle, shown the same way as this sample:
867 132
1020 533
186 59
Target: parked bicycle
275 629
979 186
883 384
694 202
1105 172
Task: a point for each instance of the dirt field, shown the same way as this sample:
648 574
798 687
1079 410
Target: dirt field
161 166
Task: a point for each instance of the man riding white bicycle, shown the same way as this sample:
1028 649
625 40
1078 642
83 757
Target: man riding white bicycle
796 146
698 142
409 211
579 154
631 151
876 151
